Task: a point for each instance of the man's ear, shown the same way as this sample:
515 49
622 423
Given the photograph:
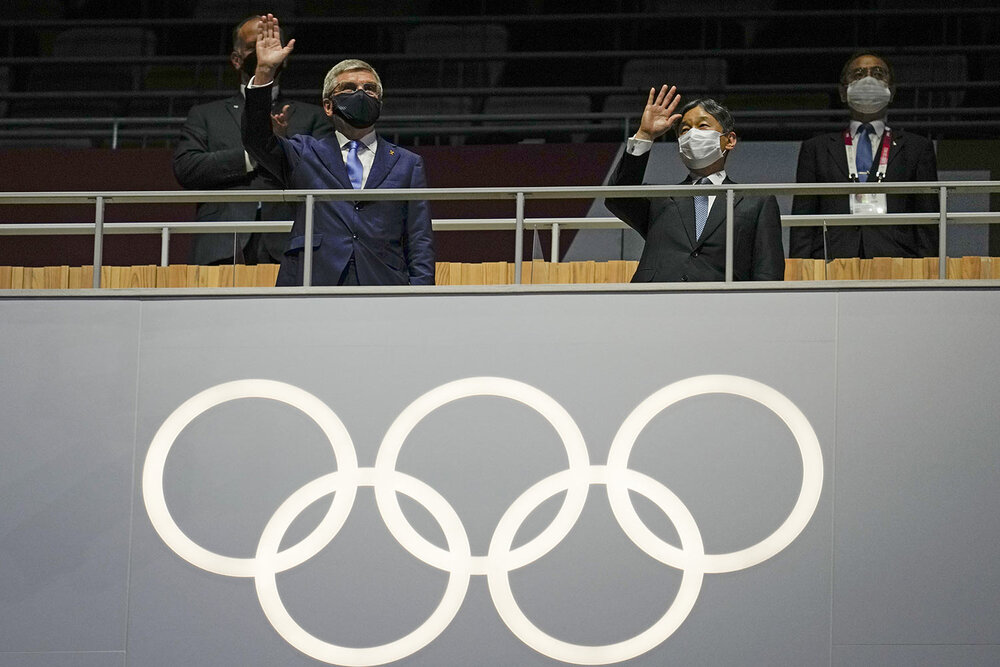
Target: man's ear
843 94
328 107
730 143
236 60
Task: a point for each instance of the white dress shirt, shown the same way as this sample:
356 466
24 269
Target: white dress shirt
874 137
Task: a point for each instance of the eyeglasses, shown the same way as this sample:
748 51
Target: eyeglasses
877 72
350 87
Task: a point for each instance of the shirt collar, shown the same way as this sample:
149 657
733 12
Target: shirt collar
717 178
877 125
370 141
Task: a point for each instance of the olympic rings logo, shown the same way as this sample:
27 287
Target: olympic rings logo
457 560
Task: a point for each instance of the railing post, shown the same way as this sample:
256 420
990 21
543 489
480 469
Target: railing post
164 246
729 236
307 251
554 254
98 240
943 234
518 237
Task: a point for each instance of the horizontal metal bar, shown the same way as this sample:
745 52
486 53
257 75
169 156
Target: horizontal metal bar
937 12
534 56
474 224
464 194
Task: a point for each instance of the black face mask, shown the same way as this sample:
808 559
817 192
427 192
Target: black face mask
359 109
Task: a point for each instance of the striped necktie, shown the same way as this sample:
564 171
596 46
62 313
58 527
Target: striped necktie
700 209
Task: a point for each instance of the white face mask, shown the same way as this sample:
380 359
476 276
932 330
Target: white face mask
868 95
699 148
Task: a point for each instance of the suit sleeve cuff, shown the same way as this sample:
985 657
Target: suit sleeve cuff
637 147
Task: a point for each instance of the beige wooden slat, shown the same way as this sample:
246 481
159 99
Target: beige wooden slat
582 272
76 278
970 268
540 272
601 272
472 274
5 272
954 268
163 276
246 276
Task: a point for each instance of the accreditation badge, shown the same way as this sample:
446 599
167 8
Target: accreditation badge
868 203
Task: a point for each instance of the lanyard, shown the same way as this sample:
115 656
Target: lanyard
883 159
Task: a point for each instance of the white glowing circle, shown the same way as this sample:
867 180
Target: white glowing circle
428 631
545 405
785 534
515 619
159 449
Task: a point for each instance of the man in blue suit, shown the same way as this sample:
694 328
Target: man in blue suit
354 243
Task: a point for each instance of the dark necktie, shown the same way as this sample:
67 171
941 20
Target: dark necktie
863 154
700 209
355 171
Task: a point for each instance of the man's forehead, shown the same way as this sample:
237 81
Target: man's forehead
867 61
697 114
356 75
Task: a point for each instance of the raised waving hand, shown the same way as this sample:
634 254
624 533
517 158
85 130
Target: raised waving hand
270 53
658 116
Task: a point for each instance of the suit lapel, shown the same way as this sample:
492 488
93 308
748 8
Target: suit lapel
838 156
685 208
896 148
386 156
234 105
331 156
717 215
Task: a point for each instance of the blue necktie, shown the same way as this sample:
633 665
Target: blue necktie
355 171
863 154
700 210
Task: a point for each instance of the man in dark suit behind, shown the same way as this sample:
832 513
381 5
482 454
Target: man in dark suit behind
210 156
686 236
867 86
354 242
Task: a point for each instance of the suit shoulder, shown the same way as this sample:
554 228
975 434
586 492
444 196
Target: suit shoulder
915 140
822 139
214 107
402 152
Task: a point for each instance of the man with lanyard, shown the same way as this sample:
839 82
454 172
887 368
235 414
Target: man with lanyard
868 150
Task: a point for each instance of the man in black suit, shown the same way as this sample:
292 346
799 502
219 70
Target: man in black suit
686 236
855 154
210 156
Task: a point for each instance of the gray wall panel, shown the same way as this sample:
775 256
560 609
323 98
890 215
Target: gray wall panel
916 656
69 659
67 381
894 565
918 469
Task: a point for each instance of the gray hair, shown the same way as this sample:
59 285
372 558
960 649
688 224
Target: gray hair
713 109
330 80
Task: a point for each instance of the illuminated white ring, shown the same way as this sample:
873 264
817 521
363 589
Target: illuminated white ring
515 619
159 448
339 482
545 405
788 412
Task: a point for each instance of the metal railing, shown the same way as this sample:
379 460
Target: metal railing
100 200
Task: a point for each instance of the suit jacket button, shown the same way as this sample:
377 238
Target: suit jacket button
355 237
694 254
684 278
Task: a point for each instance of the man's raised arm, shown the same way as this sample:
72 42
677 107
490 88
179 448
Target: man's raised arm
258 135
